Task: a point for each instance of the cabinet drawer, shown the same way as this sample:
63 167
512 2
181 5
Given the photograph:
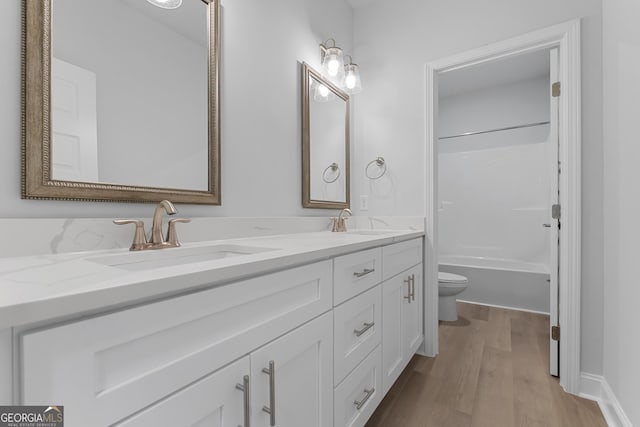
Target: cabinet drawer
401 256
360 393
355 273
112 366
357 330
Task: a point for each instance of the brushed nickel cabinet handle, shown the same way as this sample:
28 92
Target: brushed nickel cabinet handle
408 282
413 287
367 394
244 387
364 272
366 327
271 409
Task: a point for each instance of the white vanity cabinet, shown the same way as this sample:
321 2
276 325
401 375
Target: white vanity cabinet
107 368
377 330
315 346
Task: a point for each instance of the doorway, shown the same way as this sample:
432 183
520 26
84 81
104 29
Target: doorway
563 42
497 180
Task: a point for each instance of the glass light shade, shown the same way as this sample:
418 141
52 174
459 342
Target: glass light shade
352 83
333 62
166 4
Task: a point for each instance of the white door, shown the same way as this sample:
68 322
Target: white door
554 223
74 136
217 400
292 378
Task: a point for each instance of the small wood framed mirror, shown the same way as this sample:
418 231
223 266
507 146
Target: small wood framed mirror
325 143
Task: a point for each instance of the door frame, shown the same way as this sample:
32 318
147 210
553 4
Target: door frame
566 37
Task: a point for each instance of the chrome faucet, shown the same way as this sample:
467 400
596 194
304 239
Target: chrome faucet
339 223
140 241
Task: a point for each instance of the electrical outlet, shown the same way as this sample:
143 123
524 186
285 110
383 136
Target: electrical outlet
364 203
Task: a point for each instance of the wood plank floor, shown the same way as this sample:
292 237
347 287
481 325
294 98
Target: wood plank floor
492 371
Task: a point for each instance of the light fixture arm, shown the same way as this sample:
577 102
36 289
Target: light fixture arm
324 47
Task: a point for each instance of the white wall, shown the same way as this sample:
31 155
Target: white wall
262 45
622 200
494 188
393 42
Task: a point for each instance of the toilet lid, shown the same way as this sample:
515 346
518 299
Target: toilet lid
451 278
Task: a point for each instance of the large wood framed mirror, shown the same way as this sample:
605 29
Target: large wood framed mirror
325 143
120 101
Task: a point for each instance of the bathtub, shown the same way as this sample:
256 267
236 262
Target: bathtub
501 282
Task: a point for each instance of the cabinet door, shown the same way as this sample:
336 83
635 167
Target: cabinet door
402 322
412 314
299 389
395 292
214 401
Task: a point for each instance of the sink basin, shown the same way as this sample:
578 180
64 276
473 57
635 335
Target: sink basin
370 232
147 260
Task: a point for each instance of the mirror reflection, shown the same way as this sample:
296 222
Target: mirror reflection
129 103
326 142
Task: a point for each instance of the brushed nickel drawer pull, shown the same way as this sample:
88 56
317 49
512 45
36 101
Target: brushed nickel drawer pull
367 326
408 282
364 272
367 394
271 409
244 387
413 287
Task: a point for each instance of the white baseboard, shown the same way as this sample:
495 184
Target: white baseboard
504 306
591 386
595 387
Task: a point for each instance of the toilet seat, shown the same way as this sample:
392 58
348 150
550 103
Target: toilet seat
450 278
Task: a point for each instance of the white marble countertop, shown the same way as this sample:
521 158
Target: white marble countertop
64 286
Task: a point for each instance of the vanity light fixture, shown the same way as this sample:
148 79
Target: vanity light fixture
332 61
166 4
352 83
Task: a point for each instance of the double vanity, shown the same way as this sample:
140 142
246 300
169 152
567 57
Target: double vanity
306 329
292 330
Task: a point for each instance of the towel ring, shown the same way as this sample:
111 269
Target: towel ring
380 162
334 167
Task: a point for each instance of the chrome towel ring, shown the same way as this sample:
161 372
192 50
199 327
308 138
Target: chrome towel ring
334 167
380 162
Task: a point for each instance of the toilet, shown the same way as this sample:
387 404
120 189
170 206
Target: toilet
449 285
